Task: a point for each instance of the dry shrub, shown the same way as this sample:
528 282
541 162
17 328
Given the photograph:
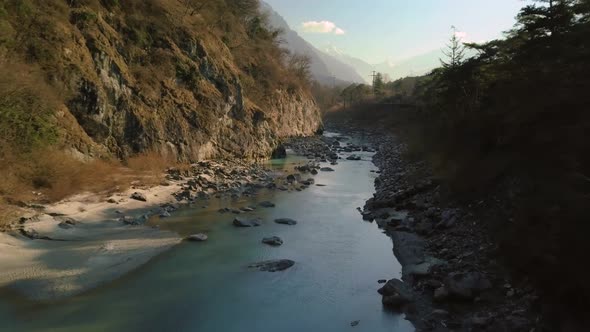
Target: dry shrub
57 174
149 167
27 104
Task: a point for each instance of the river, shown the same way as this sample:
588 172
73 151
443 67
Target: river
207 287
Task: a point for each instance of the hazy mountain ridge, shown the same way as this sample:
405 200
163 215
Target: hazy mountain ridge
418 65
325 68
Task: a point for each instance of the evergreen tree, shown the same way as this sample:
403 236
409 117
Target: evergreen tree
455 52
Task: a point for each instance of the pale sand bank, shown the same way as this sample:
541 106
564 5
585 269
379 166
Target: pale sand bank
98 249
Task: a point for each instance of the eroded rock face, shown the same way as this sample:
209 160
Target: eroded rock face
190 104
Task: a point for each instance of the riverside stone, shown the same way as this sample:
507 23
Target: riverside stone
138 197
241 222
273 241
286 221
273 265
200 237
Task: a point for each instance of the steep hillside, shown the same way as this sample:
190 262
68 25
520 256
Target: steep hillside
190 79
362 68
295 43
324 67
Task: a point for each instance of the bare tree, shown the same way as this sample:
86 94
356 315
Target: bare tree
300 65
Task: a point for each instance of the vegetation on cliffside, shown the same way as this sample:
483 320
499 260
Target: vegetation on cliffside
109 79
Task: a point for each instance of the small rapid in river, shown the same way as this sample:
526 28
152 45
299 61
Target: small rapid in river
207 286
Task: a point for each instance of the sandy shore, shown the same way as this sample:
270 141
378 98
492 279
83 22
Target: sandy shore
82 242
98 248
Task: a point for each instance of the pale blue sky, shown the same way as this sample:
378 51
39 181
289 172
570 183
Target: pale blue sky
377 30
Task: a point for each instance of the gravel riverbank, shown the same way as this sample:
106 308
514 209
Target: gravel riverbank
453 278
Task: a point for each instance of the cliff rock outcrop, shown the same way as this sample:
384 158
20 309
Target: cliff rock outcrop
187 79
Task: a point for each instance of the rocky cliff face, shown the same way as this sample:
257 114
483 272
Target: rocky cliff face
152 77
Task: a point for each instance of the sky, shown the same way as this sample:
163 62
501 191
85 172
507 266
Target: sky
392 30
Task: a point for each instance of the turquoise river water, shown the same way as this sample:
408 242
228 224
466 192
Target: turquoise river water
206 286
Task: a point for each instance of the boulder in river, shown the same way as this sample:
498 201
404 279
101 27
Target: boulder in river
368 216
273 265
66 222
241 222
286 221
280 152
395 294
273 241
267 204
139 197
129 220
292 178
353 157
198 237
327 169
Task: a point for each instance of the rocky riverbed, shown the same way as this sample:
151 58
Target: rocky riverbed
452 278
97 237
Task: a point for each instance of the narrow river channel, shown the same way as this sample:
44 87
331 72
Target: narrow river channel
206 286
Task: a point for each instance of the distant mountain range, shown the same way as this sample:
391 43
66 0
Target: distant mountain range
415 66
330 65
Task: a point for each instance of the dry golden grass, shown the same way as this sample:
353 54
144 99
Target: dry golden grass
8 214
56 175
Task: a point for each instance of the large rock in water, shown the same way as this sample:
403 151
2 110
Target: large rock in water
198 237
273 241
395 294
241 222
267 204
280 152
273 265
286 221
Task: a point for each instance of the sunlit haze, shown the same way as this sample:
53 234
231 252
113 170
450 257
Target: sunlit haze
381 30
